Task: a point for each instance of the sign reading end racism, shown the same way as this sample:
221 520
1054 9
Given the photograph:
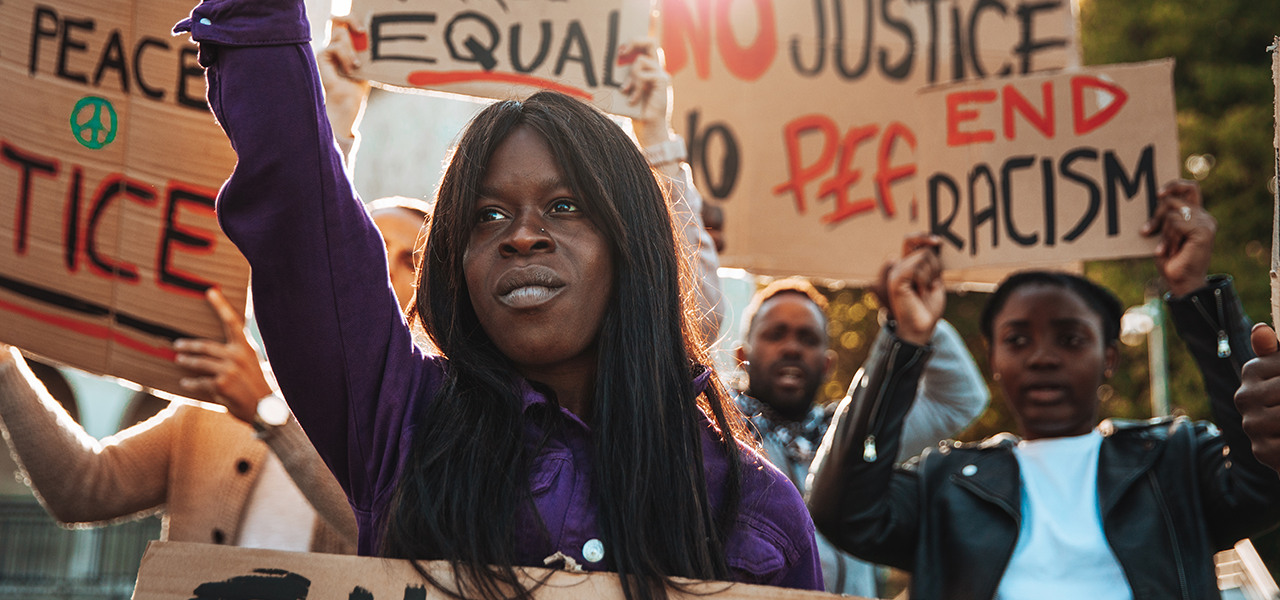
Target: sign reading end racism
184 571
109 165
800 116
502 49
1047 169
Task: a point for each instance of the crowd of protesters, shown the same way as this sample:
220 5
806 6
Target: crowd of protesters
516 374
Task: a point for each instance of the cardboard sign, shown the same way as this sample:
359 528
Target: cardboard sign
184 571
109 165
1041 170
502 49
1275 188
800 116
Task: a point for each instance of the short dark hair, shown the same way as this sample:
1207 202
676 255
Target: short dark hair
790 285
1097 298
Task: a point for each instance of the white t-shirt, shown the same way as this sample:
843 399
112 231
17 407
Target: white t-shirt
1062 551
277 515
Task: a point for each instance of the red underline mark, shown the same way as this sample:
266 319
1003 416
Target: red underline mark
423 78
91 330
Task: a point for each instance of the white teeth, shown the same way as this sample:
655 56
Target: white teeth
789 378
527 296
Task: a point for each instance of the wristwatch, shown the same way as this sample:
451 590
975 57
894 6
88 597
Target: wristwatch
272 412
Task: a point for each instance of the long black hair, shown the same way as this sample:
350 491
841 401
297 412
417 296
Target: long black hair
467 476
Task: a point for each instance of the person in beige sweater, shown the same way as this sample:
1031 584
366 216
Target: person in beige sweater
215 480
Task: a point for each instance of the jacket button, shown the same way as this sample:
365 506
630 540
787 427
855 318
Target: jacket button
218 536
969 470
1148 445
242 467
593 550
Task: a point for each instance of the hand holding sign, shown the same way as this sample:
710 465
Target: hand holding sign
337 63
1187 231
916 295
229 373
648 88
1259 397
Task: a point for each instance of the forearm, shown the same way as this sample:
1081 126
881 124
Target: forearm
1241 496
951 395
704 262
855 498
78 479
1215 329
344 112
313 478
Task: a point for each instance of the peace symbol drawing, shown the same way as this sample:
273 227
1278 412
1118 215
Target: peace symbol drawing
93 122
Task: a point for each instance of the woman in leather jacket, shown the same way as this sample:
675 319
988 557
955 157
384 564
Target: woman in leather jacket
1076 508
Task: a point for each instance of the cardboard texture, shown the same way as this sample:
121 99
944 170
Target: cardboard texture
502 49
1040 170
800 116
182 571
109 165
1275 189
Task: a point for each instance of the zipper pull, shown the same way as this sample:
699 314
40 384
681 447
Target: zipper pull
1224 346
869 449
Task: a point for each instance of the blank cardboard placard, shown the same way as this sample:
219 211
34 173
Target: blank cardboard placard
502 49
185 571
1046 169
800 116
109 165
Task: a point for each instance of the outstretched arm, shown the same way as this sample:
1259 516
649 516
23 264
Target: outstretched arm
344 95
952 392
857 499
1241 496
333 331
76 477
951 395
649 86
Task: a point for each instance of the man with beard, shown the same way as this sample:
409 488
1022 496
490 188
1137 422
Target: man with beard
786 355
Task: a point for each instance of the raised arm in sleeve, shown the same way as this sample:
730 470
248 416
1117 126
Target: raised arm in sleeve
77 478
1241 496
858 500
951 395
686 211
328 317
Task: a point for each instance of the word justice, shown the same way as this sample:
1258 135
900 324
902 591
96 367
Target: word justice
83 216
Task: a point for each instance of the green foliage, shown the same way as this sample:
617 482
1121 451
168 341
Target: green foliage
1224 94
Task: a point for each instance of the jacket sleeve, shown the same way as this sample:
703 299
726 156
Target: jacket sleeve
1241 496
314 480
952 393
77 478
330 323
857 499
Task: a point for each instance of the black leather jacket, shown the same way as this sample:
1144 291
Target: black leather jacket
1172 492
